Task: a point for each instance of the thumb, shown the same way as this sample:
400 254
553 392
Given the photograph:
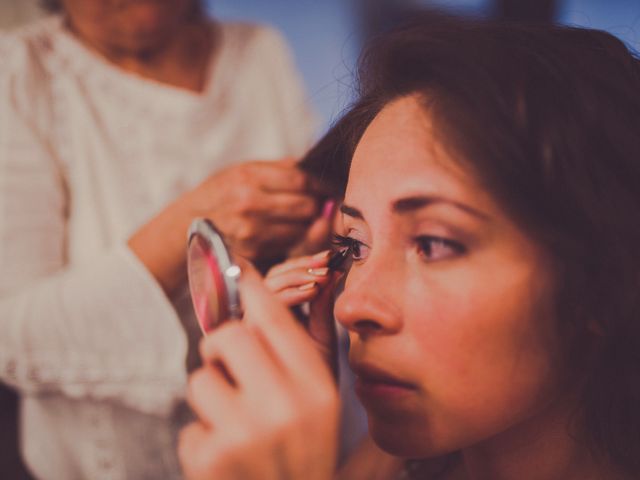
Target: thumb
318 233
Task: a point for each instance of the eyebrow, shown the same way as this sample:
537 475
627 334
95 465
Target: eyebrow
351 211
413 203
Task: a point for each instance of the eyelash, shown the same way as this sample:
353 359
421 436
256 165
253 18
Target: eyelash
348 243
425 245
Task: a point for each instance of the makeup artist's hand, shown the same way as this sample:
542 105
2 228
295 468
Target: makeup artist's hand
263 209
267 403
318 235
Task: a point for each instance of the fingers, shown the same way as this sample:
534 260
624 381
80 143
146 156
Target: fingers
309 261
297 278
317 235
281 176
278 416
287 340
297 296
263 239
284 206
321 324
273 233
263 208
256 380
254 390
296 282
209 384
246 359
194 451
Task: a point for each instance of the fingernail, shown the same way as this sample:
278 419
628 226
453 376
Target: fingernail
327 209
321 255
319 272
307 286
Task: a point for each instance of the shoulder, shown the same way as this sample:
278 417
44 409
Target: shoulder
257 45
25 67
26 49
253 35
260 55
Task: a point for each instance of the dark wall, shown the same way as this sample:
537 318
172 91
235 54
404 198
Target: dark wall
11 467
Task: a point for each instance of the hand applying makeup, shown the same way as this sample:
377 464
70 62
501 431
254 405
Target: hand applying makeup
311 279
298 280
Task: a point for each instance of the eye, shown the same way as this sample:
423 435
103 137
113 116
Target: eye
356 248
436 248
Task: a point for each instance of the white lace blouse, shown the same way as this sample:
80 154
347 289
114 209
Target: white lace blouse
88 153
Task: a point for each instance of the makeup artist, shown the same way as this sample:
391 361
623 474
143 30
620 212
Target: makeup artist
120 121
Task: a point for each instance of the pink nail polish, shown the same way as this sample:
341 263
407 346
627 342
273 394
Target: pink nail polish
327 209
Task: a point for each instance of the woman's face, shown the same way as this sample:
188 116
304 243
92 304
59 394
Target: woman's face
447 302
130 26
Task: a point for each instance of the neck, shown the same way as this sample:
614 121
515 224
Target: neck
541 447
180 61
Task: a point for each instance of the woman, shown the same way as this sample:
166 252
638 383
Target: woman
121 121
492 302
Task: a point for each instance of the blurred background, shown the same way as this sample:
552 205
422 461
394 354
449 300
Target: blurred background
326 36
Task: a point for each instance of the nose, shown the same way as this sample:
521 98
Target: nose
369 303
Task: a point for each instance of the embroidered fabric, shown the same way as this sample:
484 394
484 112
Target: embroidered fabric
88 153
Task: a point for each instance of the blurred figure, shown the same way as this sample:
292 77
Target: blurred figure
18 12
120 122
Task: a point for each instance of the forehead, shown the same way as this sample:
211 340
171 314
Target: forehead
400 154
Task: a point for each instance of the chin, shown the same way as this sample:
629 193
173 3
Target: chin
150 24
406 439
141 41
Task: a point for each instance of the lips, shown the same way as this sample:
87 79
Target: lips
376 384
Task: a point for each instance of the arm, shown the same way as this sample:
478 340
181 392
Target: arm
101 329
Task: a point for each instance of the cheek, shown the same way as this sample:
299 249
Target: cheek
486 349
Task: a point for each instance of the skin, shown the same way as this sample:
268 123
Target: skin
238 421
448 309
464 320
160 40
170 41
299 279
263 208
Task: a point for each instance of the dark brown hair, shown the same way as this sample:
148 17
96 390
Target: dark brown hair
548 118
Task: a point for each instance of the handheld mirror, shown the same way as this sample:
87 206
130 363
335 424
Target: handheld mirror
213 276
